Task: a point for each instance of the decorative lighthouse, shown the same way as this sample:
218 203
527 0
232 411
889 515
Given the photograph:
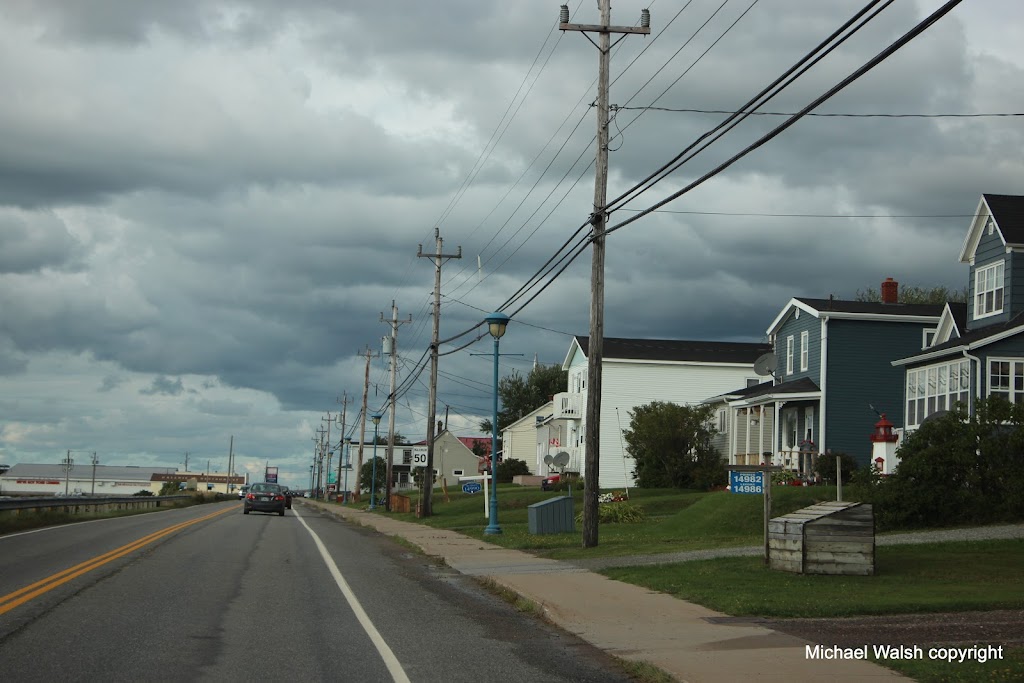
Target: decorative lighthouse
883 447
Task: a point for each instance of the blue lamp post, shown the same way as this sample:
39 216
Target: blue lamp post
496 324
373 469
348 452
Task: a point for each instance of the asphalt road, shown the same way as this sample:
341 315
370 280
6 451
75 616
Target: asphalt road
207 593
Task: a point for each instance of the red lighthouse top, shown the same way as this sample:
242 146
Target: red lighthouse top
883 432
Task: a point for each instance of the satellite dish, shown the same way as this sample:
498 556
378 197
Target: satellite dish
561 459
548 459
766 364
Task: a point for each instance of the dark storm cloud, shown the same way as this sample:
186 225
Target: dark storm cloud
164 386
31 242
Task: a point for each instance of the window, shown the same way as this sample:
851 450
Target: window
723 420
939 387
804 351
990 225
928 337
988 290
1006 379
789 355
406 456
753 381
457 473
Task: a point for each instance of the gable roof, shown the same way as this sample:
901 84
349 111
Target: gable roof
1007 210
804 387
676 350
858 310
968 341
952 323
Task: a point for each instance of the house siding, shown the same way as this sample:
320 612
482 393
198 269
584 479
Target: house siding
860 375
992 250
628 385
794 326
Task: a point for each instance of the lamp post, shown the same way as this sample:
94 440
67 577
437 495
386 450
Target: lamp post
348 451
311 481
496 324
373 469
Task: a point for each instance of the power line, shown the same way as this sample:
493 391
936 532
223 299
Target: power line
827 114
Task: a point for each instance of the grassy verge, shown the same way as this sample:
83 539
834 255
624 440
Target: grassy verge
676 520
935 577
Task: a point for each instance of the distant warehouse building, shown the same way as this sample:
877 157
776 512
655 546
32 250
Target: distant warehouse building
105 480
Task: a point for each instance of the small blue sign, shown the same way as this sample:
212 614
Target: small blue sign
471 487
746 482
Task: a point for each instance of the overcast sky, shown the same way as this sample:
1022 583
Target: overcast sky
206 206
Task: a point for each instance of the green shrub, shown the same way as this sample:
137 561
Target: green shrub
613 513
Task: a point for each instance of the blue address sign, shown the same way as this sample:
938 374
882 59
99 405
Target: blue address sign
746 482
471 487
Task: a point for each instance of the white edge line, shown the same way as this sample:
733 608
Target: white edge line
386 654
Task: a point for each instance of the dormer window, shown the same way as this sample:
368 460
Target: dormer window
988 290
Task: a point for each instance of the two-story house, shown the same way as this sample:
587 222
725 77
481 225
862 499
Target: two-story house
637 372
978 348
832 372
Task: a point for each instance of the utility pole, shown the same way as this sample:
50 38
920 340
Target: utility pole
341 439
393 352
599 218
328 467
186 461
319 461
428 471
362 424
68 462
95 461
228 487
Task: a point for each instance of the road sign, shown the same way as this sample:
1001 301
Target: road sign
471 487
419 459
746 482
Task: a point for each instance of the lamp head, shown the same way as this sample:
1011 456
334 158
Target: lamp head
376 419
348 440
496 324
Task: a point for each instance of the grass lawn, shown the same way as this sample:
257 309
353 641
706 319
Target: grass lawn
934 577
676 520
1009 669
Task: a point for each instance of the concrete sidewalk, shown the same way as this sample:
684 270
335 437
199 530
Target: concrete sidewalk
692 643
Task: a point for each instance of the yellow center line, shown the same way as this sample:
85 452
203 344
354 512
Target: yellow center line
34 590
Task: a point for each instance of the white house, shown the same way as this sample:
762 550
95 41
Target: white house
636 372
521 439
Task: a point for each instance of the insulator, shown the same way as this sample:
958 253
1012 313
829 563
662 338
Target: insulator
563 14
645 18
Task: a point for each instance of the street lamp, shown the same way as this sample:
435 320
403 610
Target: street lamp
348 451
311 481
496 324
373 469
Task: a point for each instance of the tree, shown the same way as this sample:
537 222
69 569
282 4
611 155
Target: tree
170 488
366 474
509 468
519 395
915 294
671 446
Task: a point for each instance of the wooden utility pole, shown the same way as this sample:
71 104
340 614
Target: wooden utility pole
362 424
327 468
231 463
393 352
428 473
341 436
599 217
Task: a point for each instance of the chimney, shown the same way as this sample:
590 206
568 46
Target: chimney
890 291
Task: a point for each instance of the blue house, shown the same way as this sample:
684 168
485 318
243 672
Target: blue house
832 371
978 348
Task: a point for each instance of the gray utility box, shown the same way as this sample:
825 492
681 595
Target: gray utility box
552 516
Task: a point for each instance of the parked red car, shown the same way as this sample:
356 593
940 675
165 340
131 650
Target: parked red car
548 483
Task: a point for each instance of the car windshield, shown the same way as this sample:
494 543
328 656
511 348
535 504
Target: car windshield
265 488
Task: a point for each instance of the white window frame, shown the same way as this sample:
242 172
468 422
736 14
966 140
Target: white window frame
989 290
1013 390
723 421
931 388
789 355
804 350
458 473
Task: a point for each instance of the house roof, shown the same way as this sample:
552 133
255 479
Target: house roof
532 415
968 341
769 391
677 350
1007 211
858 310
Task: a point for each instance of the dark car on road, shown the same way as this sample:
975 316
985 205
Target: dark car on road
288 498
265 497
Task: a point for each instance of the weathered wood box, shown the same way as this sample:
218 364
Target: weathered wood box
828 538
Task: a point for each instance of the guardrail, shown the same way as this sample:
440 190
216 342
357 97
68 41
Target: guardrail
77 505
